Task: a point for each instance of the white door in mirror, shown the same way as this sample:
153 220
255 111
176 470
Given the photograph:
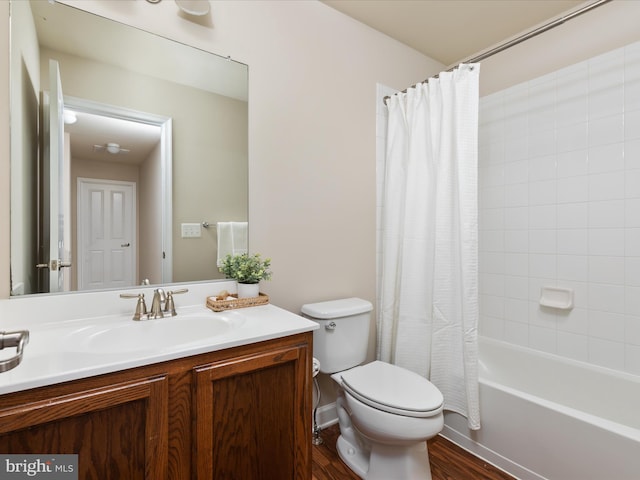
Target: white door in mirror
106 239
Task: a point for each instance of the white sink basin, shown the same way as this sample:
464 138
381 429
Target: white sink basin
158 334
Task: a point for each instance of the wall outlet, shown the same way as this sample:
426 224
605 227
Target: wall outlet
191 230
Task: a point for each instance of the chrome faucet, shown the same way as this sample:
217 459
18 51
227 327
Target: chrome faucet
159 297
162 304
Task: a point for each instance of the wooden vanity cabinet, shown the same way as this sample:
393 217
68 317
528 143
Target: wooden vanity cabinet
239 414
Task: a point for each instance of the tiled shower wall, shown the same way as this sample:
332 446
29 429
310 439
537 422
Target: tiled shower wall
559 178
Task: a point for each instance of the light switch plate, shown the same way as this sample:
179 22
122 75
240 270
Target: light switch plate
191 230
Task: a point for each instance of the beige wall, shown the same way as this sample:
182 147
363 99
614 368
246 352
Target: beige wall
312 76
24 105
312 84
150 216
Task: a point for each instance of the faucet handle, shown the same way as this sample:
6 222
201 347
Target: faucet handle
170 306
141 306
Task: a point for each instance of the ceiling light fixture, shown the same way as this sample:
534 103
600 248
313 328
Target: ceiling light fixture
111 147
191 7
194 7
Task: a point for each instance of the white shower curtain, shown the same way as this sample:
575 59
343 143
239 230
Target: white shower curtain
428 303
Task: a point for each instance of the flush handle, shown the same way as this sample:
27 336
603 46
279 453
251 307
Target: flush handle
330 326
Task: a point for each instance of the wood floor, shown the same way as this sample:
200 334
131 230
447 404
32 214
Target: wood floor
448 461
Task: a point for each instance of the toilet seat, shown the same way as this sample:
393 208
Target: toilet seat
393 389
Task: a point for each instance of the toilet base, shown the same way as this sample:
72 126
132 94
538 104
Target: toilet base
383 462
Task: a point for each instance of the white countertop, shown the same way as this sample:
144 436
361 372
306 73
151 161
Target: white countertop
64 350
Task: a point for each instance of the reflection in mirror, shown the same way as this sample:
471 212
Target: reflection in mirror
152 141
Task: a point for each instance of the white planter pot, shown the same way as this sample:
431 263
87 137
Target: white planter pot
248 290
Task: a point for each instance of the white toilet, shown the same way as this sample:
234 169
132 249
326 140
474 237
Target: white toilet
386 413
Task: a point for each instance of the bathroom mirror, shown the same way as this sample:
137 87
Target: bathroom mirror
151 142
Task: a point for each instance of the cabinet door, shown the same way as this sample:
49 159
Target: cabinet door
118 431
252 417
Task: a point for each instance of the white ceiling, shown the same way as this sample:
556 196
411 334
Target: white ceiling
451 31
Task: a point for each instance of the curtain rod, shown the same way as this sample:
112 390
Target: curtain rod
519 39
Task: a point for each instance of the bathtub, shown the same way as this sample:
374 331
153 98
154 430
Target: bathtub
546 417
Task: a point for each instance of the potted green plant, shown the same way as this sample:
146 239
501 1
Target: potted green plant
247 270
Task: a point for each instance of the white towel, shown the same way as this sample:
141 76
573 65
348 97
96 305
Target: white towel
232 239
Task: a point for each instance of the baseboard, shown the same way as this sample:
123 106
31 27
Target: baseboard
326 415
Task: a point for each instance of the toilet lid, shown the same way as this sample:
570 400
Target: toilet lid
393 389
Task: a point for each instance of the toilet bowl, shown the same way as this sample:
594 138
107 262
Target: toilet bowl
386 413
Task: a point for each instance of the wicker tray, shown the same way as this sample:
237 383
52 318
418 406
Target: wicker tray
222 305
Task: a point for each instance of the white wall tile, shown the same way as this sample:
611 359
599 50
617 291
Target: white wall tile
632 183
543 339
569 211
542 265
542 241
580 293
632 271
516 147
516 218
491 327
607 325
606 298
606 353
542 168
632 124
542 142
572 163
572 137
632 359
516 287
516 264
491 305
606 186
632 213
632 329
606 241
542 216
606 158
603 269
516 241
573 267
632 301
517 309
516 172
573 189
632 242
491 262
606 214
491 240
491 284
575 321
516 195
573 215
606 130
573 241
543 193
572 345
516 333
491 218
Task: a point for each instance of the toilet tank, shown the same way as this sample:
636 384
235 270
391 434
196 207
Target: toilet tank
342 340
